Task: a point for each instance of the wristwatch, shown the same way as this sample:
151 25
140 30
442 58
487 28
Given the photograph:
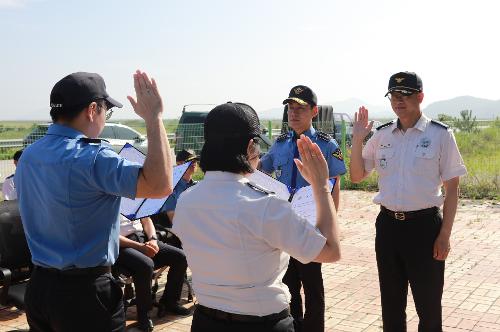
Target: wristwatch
153 238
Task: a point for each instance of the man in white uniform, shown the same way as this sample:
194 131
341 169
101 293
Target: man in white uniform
8 188
414 157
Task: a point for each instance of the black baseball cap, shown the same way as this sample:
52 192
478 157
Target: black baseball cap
78 89
302 95
233 121
186 155
406 83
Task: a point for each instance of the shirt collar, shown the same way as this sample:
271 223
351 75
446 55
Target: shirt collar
309 132
222 176
60 130
420 125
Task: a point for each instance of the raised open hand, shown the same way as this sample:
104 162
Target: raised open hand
148 104
361 128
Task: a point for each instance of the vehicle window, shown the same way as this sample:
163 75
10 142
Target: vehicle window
125 133
107 132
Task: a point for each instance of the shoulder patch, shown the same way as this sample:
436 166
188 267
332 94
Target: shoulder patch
385 125
94 140
324 136
260 189
282 137
443 125
338 154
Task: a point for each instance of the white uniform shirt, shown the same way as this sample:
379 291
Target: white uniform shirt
128 227
237 240
412 166
9 189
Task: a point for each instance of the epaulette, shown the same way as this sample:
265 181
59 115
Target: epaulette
443 125
324 136
385 125
282 137
260 189
94 140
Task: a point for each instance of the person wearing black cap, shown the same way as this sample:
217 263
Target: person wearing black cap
414 157
302 108
69 187
238 236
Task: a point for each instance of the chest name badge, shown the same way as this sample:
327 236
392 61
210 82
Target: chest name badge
383 163
278 172
425 142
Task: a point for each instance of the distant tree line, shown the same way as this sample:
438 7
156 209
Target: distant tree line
466 123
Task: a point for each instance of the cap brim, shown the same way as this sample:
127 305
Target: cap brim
403 90
192 158
297 100
265 139
114 102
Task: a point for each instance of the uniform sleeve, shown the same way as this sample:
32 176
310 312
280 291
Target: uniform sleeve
335 160
115 175
451 163
171 202
266 161
282 228
368 154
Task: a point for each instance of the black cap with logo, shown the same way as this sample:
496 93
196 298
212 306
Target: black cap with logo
303 95
233 121
406 83
78 89
186 155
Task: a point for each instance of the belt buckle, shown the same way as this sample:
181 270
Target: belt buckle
399 216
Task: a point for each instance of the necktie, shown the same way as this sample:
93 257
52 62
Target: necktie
294 167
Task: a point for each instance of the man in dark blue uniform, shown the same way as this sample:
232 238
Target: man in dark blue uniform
302 108
70 186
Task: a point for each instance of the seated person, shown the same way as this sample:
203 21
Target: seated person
141 253
8 188
166 215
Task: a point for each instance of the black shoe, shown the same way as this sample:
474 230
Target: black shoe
144 323
175 309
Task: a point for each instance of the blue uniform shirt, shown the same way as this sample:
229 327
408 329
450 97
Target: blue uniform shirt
69 190
280 157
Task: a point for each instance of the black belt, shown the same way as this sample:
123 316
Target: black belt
409 215
87 271
227 316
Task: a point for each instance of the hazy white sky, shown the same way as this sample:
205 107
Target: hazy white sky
249 51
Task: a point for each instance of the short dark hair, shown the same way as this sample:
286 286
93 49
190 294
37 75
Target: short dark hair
226 155
70 113
17 155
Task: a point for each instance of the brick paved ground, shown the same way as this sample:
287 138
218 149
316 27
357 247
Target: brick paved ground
471 300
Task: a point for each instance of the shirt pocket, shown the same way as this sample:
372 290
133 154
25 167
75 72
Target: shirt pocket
385 160
283 166
426 161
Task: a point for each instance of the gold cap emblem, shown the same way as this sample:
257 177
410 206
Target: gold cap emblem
399 79
298 90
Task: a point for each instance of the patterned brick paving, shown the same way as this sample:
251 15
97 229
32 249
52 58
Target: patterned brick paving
471 300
